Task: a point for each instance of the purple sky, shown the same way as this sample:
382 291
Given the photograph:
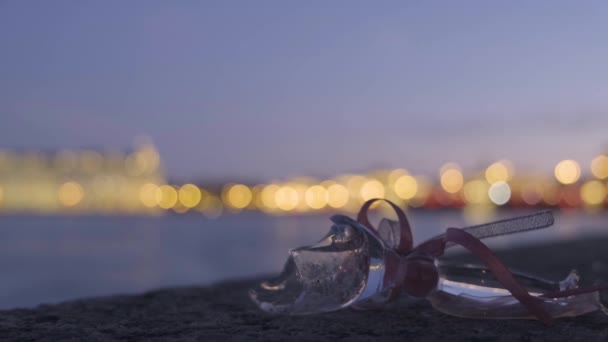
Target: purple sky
271 89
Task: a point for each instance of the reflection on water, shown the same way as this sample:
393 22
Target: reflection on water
48 259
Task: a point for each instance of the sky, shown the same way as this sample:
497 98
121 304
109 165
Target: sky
273 89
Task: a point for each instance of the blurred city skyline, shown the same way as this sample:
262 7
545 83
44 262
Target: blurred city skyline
273 89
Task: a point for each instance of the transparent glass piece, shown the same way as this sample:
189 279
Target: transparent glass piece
358 267
539 220
344 267
473 292
604 302
542 219
390 232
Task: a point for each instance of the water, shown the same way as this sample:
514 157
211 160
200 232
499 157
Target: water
50 259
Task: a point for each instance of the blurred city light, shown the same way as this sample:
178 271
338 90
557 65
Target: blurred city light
499 193
476 192
567 171
70 194
268 196
532 193
237 196
499 171
451 178
286 198
166 196
316 197
599 167
372 189
147 195
593 193
189 195
338 196
115 182
406 187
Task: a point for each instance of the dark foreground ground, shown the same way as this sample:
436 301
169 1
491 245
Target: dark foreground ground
223 312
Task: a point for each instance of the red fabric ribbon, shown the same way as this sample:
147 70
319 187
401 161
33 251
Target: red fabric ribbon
418 276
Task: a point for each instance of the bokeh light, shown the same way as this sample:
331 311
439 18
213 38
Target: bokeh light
70 194
406 187
268 196
338 196
238 196
599 166
476 191
497 172
354 184
372 189
300 188
316 197
189 195
451 178
500 193
256 193
593 193
147 195
286 198
394 175
119 182
75 181
166 196
567 171
532 193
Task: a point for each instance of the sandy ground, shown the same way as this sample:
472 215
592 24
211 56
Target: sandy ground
223 312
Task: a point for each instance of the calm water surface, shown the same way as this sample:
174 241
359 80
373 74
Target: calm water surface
45 259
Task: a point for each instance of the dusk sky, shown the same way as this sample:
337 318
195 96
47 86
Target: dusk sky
272 89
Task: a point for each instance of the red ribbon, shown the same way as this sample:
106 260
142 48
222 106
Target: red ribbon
418 276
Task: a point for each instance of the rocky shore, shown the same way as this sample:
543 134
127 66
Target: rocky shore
223 312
